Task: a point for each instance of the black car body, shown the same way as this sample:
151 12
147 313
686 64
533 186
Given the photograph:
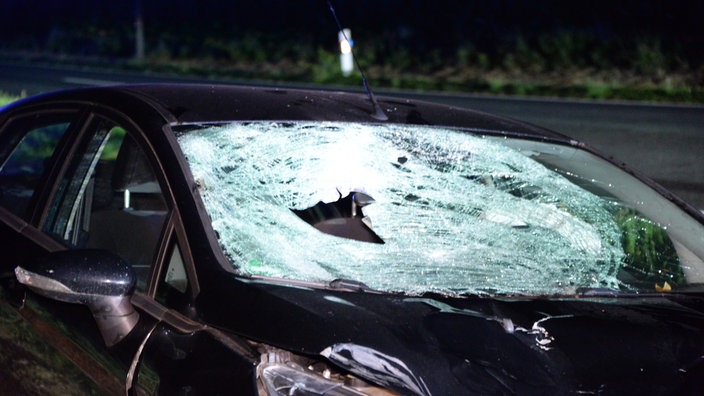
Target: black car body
171 310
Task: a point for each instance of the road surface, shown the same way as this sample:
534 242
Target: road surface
665 142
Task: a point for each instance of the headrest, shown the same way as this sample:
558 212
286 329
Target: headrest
132 170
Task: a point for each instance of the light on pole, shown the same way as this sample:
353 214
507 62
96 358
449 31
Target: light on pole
346 43
139 31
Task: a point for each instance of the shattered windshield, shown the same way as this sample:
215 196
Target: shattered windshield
423 209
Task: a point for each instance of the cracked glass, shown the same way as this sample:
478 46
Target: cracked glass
449 211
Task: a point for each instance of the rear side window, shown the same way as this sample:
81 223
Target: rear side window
27 147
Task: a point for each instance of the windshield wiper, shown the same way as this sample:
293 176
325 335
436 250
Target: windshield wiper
350 285
598 292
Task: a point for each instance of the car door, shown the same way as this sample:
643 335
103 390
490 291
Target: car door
104 192
81 181
32 359
109 198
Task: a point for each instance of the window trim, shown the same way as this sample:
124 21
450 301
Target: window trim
174 235
73 142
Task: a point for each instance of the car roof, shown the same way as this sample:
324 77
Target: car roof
203 103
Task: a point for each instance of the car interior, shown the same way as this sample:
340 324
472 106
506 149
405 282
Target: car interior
128 208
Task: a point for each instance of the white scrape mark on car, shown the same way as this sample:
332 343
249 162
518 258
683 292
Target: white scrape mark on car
371 363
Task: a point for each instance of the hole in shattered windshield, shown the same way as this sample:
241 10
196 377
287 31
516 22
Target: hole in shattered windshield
452 212
343 218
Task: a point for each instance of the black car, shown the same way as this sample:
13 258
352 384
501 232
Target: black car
199 239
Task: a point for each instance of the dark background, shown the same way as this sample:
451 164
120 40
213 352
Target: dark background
430 34
652 51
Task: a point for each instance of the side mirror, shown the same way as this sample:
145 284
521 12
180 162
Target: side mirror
96 278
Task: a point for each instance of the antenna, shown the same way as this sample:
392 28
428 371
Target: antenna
378 112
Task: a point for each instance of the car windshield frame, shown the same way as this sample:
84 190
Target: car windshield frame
605 211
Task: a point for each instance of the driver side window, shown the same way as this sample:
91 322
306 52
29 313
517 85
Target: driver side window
110 199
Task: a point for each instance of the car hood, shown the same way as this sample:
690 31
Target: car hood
434 344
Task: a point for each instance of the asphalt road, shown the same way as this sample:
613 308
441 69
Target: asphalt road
665 142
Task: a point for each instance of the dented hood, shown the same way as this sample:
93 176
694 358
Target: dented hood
441 345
